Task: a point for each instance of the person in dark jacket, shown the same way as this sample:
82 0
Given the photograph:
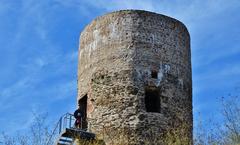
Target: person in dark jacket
78 116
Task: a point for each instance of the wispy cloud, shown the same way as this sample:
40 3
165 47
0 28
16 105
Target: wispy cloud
39 72
10 94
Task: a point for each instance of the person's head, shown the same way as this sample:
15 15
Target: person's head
79 105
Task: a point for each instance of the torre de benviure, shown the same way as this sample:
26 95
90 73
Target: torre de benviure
134 77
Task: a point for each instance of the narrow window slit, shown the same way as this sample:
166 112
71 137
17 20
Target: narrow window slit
152 100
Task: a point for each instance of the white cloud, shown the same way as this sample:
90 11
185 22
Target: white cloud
214 52
184 9
14 94
71 56
62 91
40 62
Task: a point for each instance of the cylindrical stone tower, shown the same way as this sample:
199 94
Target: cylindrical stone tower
134 77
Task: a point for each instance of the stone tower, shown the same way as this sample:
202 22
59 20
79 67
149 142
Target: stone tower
134 76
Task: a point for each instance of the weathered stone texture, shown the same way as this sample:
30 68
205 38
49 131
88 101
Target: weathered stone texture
125 54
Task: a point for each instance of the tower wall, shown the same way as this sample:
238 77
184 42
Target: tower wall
135 68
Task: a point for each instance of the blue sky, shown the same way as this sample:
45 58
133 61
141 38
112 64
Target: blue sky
39 49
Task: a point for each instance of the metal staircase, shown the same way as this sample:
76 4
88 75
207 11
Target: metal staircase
65 132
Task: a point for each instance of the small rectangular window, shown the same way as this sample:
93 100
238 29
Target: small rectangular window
154 74
152 100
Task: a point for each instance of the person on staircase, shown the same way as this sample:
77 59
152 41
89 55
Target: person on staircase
78 114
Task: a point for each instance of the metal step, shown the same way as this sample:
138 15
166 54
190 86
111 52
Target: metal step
63 144
66 140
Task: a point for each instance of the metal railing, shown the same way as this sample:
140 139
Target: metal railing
65 121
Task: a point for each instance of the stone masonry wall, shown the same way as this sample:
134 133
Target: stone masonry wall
125 56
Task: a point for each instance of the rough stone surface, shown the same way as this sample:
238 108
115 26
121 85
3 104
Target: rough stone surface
122 56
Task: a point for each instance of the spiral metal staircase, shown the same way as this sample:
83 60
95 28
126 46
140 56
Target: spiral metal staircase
65 132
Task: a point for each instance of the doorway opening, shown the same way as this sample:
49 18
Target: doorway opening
83 107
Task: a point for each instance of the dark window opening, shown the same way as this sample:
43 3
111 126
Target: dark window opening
83 107
154 74
152 100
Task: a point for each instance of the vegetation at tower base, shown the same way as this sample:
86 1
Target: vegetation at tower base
226 133
171 137
38 133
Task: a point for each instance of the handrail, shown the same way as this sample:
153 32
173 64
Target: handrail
66 121
53 132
